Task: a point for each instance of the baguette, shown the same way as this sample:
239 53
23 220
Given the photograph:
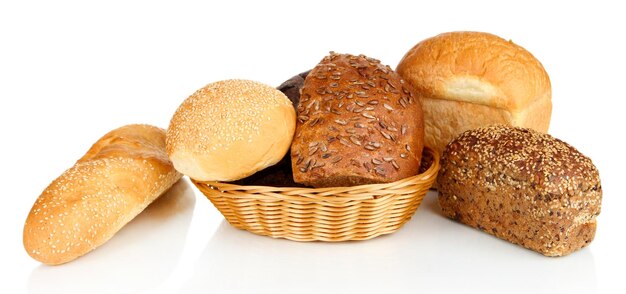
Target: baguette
113 182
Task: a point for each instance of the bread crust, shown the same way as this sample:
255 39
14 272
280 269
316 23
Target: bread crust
114 181
522 186
229 130
357 124
476 70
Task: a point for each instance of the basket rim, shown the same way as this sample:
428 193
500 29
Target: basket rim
358 191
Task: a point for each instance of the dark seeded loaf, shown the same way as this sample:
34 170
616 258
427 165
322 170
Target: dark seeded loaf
357 123
522 186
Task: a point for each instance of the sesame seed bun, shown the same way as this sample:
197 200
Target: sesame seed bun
468 80
229 130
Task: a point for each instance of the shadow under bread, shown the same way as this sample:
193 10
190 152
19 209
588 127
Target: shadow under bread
139 257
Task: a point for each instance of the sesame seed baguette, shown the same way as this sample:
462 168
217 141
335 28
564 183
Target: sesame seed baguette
120 175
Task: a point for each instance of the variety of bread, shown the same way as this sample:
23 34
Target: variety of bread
468 80
119 176
357 122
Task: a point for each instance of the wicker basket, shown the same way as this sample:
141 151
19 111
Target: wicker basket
323 214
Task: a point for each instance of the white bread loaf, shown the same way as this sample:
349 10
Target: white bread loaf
468 80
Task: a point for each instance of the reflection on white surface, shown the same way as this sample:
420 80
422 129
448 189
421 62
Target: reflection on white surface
137 258
431 254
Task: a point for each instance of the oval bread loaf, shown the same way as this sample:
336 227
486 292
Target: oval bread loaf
522 186
358 123
119 176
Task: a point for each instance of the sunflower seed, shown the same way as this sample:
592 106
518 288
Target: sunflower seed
382 124
341 122
323 147
355 140
335 111
335 77
303 118
340 104
373 102
369 147
312 150
358 110
350 107
334 85
403 155
365 87
336 159
395 165
314 121
369 108
402 102
359 125
367 165
387 159
403 130
376 144
313 144
344 142
318 165
407 147
393 129
361 94
350 131
326 155
367 115
387 136
300 158
376 161
387 106
332 128
371 84
379 170
359 103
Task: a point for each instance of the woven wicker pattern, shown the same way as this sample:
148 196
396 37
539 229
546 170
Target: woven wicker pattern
323 214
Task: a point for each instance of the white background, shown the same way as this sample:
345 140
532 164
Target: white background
70 72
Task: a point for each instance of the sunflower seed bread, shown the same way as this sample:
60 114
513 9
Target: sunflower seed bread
522 186
357 123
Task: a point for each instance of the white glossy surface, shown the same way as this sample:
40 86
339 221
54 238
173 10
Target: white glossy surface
70 72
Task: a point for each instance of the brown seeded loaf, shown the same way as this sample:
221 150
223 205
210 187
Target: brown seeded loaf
468 80
522 186
357 124
119 176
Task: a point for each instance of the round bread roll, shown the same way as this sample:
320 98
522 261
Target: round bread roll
468 80
230 129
